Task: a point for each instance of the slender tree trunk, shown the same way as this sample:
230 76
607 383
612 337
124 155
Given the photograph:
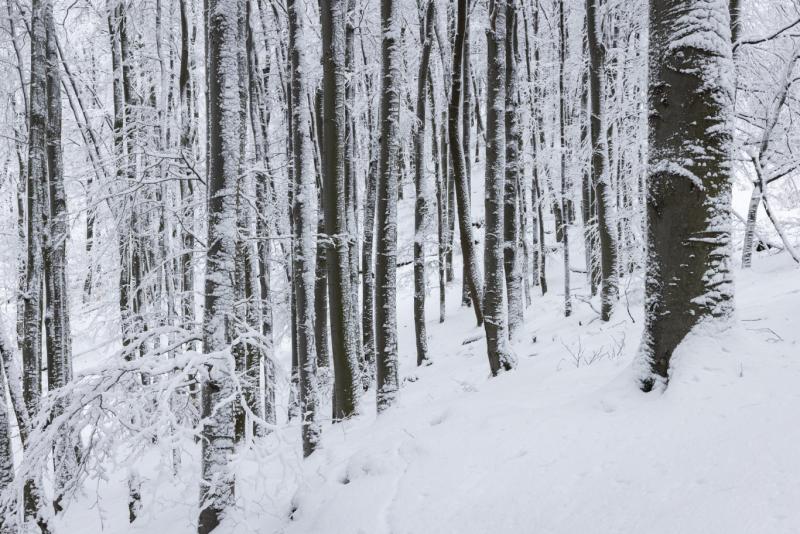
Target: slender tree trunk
605 226
37 212
224 124
441 209
512 196
57 326
8 523
305 219
459 169
421 206
321 330
496 324
466 116
750 226
564 202
187 137
343 332
388 179
368 248
688 197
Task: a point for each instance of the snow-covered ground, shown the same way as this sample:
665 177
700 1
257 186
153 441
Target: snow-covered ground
566 443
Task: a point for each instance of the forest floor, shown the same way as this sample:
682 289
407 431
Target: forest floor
566 443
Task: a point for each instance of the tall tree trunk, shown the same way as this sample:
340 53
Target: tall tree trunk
466 115
351 188
496 324
343 332
605 226
304 242
37 213
459 169
224 124
421 206
564 201
57 325
688 190
512 196
441 209
537 222
186 188
368 243
388 179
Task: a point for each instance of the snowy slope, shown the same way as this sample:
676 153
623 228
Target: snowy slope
564 444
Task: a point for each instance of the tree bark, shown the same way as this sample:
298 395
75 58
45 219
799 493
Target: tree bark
224 124
496 324
304 242
512 196
688 190
459 169
388 179
564 202
605 226
57 325
421 206
343 332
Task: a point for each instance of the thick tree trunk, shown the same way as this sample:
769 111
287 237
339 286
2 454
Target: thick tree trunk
388 179
459 170
343 332
224 124
496 325
688 197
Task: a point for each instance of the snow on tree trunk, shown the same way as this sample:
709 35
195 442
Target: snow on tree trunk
57 326
7 520
343 333
459 169
688 190
37 191
512 198
494 304
304 213
564 201
386 226
599 178
421 206
224 124
441 209
351 188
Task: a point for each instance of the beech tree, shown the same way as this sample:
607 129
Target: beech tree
459 166
343 331
496 319
688 187
388 179
421 205
224 122
305 219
